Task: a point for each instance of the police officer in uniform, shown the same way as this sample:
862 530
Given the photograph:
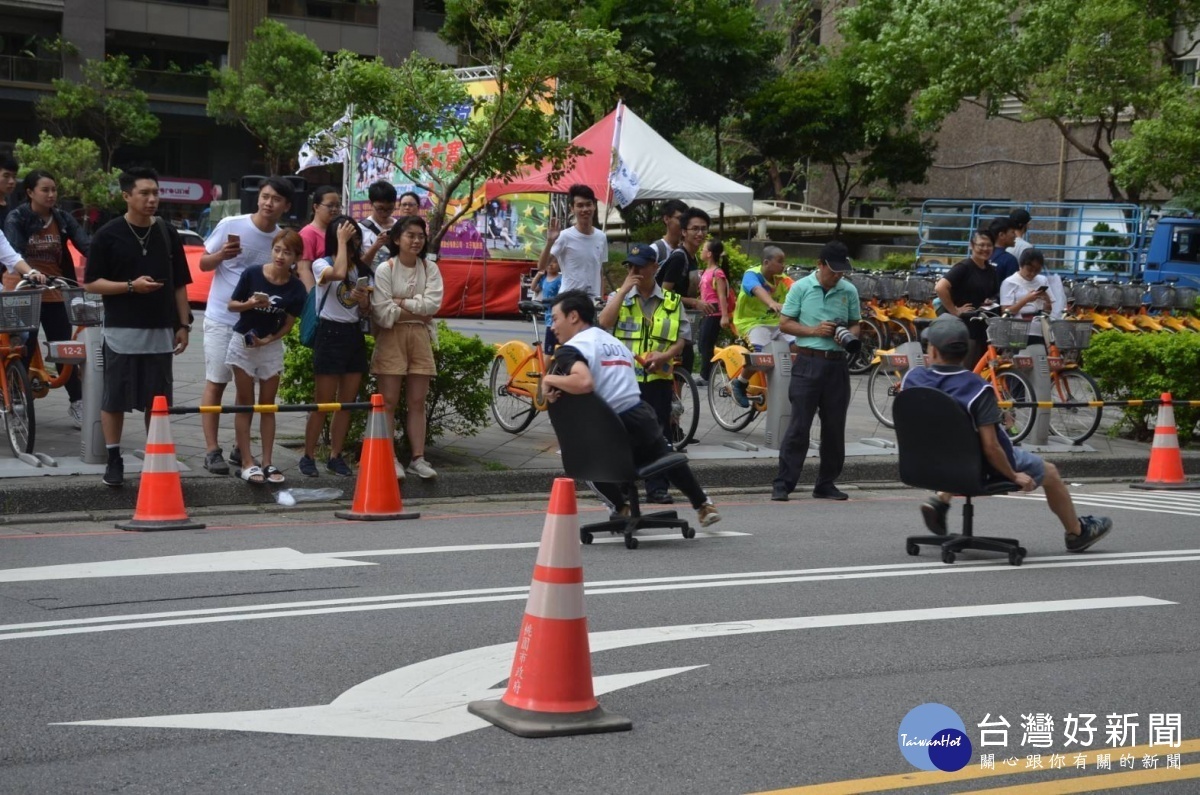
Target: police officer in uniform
652 324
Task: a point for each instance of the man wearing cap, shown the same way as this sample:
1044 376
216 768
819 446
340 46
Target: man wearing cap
756 314
592 360
949 341
816 307
650 322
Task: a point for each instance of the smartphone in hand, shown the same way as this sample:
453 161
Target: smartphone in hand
1043 289
249 339
363 283
235 240
263 296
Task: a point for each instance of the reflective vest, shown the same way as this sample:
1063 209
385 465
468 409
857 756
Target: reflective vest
750 311
644 337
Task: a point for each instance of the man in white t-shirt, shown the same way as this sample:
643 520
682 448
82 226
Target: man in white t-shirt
237 242
581 250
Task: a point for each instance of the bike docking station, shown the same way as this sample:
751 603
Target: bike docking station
1034 362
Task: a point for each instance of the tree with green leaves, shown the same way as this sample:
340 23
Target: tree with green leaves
540 54
1165 150
75 164
276 95
1092 68
820 114
104 106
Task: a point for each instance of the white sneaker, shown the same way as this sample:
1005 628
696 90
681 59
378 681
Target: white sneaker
76 412
399 469
420 467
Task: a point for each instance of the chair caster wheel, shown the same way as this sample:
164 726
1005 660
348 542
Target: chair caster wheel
1016 557
947 556
585 538
1024 551
912 549
689 532
631 542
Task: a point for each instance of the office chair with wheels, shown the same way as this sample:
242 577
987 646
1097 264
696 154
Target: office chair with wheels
939 450
594 447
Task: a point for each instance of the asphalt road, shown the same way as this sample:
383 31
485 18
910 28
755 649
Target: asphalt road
206 679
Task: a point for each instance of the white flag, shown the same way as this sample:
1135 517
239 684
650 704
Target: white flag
622 180
333 141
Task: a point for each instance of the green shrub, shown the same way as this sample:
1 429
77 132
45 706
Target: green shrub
899 262
1143 366
458 401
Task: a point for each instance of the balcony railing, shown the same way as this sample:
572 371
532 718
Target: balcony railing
333 10
19 69
176 84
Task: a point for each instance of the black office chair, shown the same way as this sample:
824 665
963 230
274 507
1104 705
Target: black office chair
594 447
939 450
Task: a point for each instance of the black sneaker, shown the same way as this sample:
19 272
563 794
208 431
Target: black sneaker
934 511
779 494
338 467
831 493
235 458
308 467
660 498
114 473
214 462
1091 530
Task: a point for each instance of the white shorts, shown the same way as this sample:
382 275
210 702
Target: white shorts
216 346
261 363
762 336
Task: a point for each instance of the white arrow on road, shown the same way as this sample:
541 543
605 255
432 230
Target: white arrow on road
427 700
280 558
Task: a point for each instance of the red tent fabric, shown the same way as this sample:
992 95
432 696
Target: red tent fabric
591 170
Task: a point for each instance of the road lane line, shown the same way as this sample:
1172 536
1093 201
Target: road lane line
1099 781
901 781
374 553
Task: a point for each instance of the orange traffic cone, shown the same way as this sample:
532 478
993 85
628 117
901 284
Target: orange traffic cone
160 493
1166 464
550 690
377 493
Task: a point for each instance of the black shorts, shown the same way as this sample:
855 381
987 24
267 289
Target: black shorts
132 380
339 348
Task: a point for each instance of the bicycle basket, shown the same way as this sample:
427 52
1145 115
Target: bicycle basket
1132 295
866 284
890 287
20 311
1162 296
1007 332
1086 295
920 289
1111 296
80 310
796 274
1071 335
1185 297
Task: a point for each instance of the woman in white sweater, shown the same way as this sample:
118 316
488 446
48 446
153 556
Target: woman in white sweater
408 293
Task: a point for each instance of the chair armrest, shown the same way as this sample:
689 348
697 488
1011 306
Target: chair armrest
669 461
994 487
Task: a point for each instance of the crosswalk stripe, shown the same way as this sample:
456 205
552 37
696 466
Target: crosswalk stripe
1112 502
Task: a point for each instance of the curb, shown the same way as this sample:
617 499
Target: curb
31 497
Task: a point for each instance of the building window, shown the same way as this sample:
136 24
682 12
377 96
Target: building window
1186 69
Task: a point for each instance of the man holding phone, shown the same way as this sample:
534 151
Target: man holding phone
131 261
237 242
1026 292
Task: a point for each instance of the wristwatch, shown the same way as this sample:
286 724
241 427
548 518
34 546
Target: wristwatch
129 285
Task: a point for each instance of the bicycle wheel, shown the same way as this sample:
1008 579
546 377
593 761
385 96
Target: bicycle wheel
725 410
1074 424
871 337
685 410
882 388
512 410
1013 386
897 333
18 416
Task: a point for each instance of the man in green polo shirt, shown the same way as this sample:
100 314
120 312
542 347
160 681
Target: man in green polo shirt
816 306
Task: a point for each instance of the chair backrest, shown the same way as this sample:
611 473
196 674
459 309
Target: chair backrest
938 444
592 439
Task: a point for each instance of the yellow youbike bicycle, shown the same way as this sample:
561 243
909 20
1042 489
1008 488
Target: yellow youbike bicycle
515 381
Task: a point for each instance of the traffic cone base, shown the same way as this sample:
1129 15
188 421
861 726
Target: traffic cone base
550 691
526 723
1166 464
377 491
160 491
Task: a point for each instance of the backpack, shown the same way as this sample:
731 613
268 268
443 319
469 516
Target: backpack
310 315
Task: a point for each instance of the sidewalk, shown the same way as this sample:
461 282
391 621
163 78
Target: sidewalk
492 462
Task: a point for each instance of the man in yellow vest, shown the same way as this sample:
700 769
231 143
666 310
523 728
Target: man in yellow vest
652 324
756 314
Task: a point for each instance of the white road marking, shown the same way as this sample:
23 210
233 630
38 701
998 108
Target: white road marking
281 558
600 588
1172 503
427 701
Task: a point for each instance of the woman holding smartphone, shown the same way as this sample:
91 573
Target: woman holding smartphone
343 285
1026 292
408 293
268 298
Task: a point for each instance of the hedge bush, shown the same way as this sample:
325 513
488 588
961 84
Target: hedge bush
458 402
1142 366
